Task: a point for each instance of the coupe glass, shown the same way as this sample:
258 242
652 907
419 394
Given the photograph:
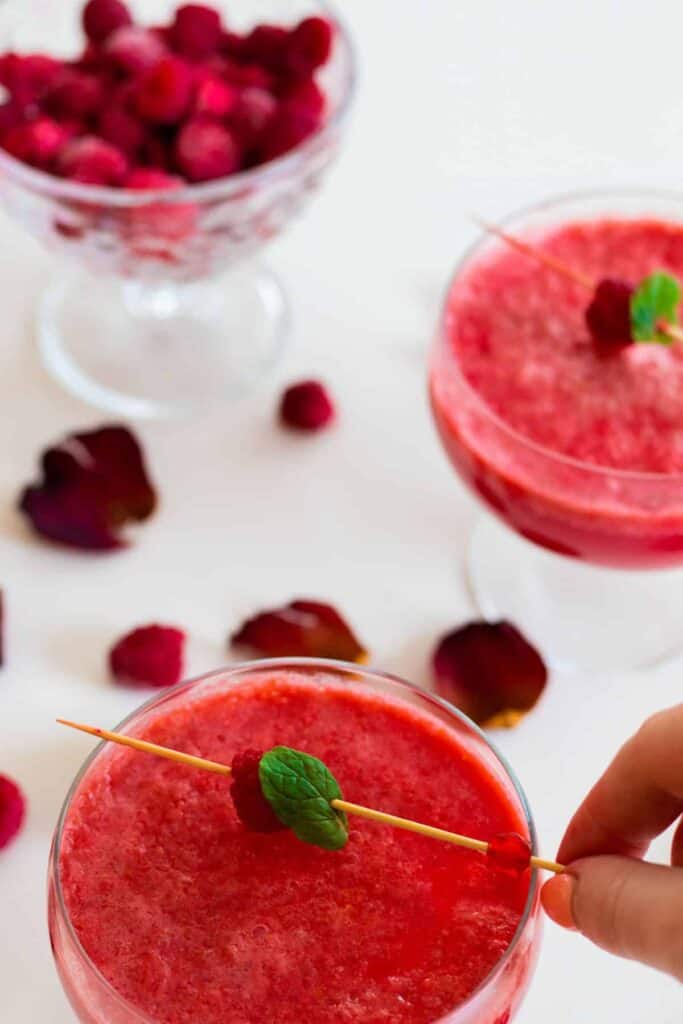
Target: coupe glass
497 998
164 310
577 572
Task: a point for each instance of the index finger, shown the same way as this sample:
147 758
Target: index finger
639 796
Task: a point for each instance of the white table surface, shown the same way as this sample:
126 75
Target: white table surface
463 107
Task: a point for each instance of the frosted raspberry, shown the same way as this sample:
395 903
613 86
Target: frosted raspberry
92 161
214 97
608 317
12 810
288 128
307 95
510 852
197 31
119 127
75 94
163 93
307 406
252 808
36 142
102 17
149 656
206 150
252 112
132 50
309 46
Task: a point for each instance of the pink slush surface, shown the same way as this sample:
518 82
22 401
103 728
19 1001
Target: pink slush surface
193 919
519 334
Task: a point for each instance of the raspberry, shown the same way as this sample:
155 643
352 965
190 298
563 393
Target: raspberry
92 161
36 142
148 178
214 97
266 45
197 31
75 94
288 128
309 46
247 75
149 656
29 77
102 17
509 852
307 406
252 112
252 808
156 151
132 50
12 810
305 95
608 317
118 126
206 150
164 92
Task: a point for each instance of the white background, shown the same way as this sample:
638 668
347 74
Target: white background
462 107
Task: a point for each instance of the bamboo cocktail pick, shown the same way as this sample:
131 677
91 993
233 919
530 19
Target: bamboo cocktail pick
673 331
341 805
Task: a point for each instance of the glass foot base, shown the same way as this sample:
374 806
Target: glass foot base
158 350
581 617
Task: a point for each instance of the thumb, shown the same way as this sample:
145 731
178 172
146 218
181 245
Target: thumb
627 907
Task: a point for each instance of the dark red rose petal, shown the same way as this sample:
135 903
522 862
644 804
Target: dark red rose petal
149 656
307 406
93 484
490 672
301 629
12 810
252 808
608 317
510 852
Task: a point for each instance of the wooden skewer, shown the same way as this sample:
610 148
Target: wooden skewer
341 805
673 331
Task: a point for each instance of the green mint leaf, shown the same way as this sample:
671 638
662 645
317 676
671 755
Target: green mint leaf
656 298
300 789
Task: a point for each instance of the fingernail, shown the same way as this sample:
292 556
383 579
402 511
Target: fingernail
557 897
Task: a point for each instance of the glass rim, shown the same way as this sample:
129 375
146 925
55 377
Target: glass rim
272 171
324 665
520 214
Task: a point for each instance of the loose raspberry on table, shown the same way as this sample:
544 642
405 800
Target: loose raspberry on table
12 810
307 406
252 808
206 150
164 92
149 656
197 31
92 161
102 17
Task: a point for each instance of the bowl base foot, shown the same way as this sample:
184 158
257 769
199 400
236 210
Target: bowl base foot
158 350
580 617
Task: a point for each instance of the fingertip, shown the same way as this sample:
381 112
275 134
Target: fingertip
557 896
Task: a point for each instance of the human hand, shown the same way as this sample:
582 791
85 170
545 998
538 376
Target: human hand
627 907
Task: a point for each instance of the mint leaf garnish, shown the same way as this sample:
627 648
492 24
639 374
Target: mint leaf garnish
655 299
300 789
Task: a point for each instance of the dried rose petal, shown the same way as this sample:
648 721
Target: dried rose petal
252 808
93 484
608 317
302 628
489 671
510 852
149 656
12 810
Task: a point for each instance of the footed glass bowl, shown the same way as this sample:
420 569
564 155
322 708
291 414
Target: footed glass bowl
161 308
